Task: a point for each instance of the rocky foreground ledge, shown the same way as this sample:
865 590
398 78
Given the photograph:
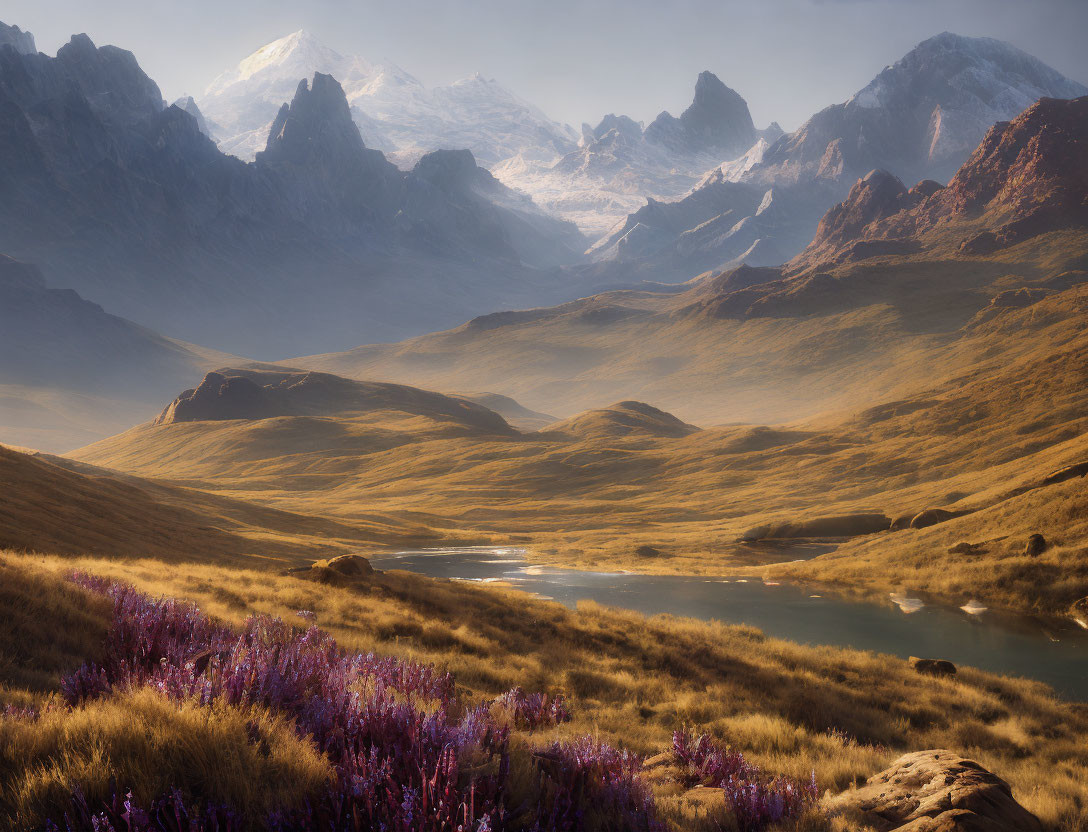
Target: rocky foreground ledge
935 791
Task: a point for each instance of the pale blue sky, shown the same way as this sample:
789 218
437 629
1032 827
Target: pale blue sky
575 59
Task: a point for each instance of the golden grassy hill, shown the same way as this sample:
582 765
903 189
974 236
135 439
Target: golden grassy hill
624 419
61 506
630 680
593 489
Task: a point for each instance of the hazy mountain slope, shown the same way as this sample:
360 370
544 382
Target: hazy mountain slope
516 414
134 207
918 119
71 373
618 166
765 346
395 112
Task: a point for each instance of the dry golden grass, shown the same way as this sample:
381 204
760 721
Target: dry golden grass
997 569
47 630
633 680
152 745
60 505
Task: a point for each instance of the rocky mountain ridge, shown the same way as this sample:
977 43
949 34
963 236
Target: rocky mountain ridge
1027 177
618 164
919 118
128 202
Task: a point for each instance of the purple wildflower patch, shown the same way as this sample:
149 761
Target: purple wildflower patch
403 761
756 801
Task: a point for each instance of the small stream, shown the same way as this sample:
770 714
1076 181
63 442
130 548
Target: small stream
1054 651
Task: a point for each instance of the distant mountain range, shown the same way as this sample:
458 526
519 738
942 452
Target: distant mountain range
919 119
395 111
321 239
618 164
594 181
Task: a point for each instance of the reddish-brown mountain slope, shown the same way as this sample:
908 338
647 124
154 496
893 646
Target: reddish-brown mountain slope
1027 177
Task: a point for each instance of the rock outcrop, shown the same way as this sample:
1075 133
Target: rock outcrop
1069 472
1035 545
717 121
935 791
338 571
932 516
1078 611
265 394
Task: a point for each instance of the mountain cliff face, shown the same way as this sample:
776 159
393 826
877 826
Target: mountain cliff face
918 119
1027 177
132 205
618 165
395 111
922 116
717 122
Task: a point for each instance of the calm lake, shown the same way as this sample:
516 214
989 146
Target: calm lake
1052 651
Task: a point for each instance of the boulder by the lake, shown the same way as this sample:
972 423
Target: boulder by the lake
934 791
351 565
844 525
1035 546
343 569
932 667
648 552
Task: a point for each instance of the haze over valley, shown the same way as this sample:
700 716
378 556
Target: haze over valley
380 453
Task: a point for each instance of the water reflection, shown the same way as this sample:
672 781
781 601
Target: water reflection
1054 651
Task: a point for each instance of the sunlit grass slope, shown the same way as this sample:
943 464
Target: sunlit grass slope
629 679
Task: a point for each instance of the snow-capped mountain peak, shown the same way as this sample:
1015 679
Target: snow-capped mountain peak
394 111
284 56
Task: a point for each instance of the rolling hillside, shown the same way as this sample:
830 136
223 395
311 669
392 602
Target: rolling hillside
592 489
